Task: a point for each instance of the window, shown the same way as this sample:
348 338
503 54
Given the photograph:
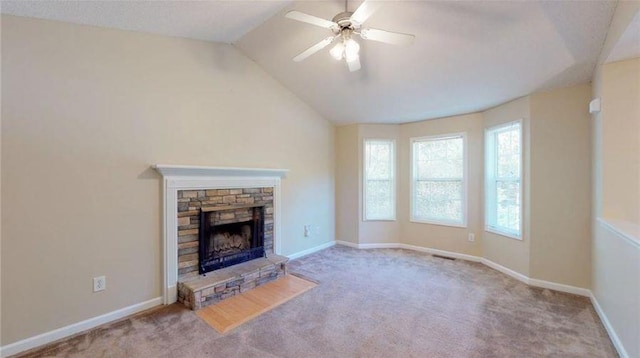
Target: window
503 183
438 187
379 180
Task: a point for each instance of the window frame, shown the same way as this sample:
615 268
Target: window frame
465 189
364 180
490 134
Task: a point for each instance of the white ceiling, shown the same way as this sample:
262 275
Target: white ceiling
219 21
468 56
628 45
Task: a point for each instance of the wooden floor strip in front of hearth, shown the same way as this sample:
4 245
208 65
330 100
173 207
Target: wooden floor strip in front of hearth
232 312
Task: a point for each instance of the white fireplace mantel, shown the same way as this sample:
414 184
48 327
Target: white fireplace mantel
191 170
185 177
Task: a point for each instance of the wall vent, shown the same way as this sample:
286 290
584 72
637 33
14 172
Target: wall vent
445 257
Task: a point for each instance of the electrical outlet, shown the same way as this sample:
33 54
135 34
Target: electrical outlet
472 237
307 230
99 283
316 230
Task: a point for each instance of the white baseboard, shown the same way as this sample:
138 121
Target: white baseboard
607 325
348 244
57 334
560 287
507 271
311 250
537 283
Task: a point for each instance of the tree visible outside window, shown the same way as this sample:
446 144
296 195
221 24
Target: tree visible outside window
438 192
503 179
379 180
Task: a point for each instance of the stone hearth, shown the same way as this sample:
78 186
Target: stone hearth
201 291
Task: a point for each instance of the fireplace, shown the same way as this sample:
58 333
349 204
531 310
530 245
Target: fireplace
188 188
225 243
230 235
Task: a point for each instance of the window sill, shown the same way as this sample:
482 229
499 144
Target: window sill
374 220
439 223
504 234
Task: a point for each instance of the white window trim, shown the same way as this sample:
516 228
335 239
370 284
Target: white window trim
494 229
363 182
465 189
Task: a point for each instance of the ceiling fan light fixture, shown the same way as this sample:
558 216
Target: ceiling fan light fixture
351 49
337 51
353 59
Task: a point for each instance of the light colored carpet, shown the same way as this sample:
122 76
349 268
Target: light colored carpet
232 312
373 303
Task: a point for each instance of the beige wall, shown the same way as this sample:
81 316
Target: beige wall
375 232
621 141
86 111
347 184
0 190
560 186
508 252
622 17
437 236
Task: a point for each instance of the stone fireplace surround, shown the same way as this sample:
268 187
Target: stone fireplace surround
234 204
195 178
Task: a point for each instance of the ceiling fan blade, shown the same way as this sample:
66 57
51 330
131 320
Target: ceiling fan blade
310 19
354 64
393 38
365 10
313 49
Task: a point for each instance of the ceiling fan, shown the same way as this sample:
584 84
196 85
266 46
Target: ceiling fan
344 26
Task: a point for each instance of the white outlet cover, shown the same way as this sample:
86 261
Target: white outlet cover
99 283
595 106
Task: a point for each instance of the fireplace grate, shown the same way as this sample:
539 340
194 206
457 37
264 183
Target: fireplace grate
223 261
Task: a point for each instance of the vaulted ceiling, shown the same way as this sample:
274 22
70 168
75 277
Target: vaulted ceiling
467 56
219 21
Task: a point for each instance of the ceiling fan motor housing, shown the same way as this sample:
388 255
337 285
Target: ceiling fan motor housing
343 20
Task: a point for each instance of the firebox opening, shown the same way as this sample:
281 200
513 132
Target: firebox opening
222 245
230 239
